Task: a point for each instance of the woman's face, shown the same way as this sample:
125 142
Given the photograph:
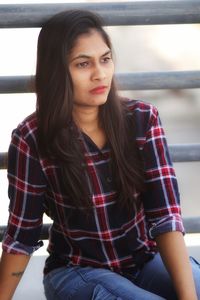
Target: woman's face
91 68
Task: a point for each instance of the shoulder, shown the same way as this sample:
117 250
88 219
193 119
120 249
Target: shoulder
26 131
141 108
28 126
145 114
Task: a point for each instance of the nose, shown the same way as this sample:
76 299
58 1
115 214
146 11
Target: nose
98 72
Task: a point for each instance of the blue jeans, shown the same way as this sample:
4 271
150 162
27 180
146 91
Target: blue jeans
78 283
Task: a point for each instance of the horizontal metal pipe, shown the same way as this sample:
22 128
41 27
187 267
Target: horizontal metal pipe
185 152
115 13
16 84
158 80
179 153
3 160
125 81
192 225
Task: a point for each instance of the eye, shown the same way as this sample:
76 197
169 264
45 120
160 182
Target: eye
106 59
83 64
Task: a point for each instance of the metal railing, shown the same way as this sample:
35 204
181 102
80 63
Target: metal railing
115 14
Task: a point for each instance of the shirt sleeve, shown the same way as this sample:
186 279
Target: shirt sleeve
26 193
161 197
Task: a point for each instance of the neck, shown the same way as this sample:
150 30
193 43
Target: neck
87 119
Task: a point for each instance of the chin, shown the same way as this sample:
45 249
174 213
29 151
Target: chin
96 100
100 100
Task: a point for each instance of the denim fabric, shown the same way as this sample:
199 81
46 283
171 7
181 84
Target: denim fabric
78 283
155 278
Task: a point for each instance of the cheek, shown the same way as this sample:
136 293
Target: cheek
77 77
111 71
79 80
80 85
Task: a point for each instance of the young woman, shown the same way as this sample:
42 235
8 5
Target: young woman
99 166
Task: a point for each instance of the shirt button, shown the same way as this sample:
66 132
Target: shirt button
108 179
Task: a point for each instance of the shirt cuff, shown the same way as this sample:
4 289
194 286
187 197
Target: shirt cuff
12 246
169 224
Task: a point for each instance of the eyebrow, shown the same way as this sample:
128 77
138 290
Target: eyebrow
88 57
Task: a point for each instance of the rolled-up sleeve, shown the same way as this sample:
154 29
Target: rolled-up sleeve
26 193
161 197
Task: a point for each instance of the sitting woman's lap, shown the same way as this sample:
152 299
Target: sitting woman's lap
77 283
155 278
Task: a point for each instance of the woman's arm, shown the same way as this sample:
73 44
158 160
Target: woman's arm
12 267
161 201
173 251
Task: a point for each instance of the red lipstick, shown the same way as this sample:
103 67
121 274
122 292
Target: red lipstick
99 90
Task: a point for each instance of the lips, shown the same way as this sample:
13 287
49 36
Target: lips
99 90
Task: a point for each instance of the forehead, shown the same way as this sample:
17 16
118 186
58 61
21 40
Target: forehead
91 43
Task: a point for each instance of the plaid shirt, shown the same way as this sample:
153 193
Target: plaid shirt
109 237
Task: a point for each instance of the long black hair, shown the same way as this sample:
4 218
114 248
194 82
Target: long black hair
57 133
